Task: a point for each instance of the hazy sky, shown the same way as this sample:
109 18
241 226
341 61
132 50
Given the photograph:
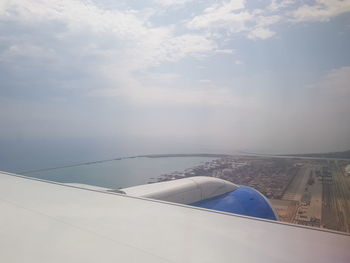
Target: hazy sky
267 76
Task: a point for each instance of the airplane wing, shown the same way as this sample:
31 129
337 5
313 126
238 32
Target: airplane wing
43 221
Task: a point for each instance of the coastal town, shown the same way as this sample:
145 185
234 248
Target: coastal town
306 191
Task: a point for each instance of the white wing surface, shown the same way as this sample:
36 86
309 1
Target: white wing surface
49 222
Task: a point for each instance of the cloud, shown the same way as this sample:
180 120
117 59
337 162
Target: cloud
320 10
225 51
225 7
260 33
114 48
277 5
158 43
232 18
222 16
263 21
28 51
172 2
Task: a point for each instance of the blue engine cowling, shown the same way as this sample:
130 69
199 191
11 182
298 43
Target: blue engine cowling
244 201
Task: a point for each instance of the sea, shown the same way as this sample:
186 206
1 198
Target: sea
120 173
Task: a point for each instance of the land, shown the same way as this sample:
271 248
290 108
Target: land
337 155
307 191
183 155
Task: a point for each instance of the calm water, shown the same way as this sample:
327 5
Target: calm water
121 173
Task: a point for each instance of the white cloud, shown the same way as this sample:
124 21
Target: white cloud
262 21
157 43
225 51
222 16
189 44
276 5
320 10
28 51
233 18
225 7
117 43
260 33
172 2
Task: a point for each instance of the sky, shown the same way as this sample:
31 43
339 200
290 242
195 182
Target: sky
175 75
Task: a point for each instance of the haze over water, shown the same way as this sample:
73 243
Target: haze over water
120 173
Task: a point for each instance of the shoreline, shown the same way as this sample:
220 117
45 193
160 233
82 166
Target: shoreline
184 155
210 155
